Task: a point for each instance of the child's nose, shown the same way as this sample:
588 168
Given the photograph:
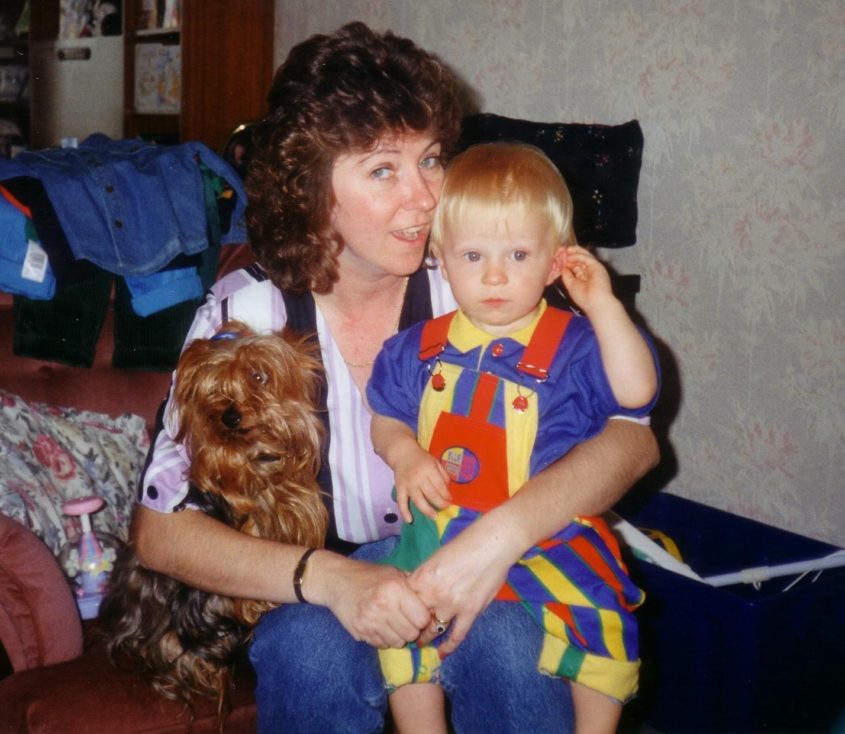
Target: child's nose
495 275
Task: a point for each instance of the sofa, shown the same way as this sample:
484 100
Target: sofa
54 676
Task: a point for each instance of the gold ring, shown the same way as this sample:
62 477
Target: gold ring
440 625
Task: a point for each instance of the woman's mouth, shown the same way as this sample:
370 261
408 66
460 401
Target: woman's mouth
411 234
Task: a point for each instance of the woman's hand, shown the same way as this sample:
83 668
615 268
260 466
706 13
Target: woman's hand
462 578
373 602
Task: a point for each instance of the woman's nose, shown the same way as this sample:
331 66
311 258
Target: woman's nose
422 193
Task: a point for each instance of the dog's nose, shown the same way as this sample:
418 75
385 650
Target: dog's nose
231 417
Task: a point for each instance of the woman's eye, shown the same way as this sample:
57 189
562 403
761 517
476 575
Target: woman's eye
430 162
381 172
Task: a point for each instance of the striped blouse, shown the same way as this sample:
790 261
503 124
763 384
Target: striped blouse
363 508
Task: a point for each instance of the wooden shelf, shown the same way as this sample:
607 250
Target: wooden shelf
157 33
226 65
14 52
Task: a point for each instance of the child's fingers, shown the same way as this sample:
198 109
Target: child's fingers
584 269
404 508
577 250
432 494
439 494
423 504
444 475
578 264
572 277
577 254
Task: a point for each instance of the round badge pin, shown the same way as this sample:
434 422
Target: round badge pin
461 464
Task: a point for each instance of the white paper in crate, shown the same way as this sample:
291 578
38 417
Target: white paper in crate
646 548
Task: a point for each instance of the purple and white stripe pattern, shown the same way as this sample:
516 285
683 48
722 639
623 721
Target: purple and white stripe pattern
362 483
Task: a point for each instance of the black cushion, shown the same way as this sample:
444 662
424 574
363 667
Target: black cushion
600 164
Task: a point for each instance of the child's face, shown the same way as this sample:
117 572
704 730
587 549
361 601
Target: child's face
498 270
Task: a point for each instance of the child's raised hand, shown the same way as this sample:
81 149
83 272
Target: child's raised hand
421 479
586 280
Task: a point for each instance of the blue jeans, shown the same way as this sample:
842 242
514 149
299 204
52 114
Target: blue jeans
313 677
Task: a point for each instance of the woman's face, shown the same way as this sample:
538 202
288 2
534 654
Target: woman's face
384 202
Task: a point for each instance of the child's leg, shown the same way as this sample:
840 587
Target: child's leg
595 713
419 707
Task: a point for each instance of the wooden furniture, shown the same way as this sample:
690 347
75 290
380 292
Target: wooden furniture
14 63
226 49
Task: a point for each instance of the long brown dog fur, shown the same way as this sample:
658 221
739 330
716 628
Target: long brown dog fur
247 415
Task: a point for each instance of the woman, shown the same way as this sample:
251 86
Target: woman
344 180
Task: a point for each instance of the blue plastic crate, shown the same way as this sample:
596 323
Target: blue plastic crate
737 658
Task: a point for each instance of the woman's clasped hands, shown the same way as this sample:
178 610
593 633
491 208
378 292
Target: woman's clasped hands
463 577
383 606
375 603
458 582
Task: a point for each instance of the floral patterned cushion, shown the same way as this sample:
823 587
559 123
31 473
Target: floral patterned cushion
50 454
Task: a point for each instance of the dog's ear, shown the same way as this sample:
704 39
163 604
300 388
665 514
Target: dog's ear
195 361
308 349
195 364
295 373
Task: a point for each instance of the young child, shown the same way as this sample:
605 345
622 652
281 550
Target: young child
469 406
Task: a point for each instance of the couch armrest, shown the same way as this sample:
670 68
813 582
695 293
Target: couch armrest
39 620
88 694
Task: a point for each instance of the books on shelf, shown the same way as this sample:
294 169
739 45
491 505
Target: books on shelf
156 16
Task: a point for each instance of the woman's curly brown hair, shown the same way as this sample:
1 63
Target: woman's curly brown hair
334 94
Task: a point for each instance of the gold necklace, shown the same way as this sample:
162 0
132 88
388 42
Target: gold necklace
371 362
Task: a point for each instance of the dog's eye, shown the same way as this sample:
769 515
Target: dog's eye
260 377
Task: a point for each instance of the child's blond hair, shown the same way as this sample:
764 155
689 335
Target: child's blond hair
496 180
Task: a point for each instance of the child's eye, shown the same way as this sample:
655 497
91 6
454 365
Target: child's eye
520 255
473 256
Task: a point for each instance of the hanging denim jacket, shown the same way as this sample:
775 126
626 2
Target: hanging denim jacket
128 206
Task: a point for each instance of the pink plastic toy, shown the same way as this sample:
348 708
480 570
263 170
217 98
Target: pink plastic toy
91 563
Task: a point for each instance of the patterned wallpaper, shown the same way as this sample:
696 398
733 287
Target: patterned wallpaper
742 224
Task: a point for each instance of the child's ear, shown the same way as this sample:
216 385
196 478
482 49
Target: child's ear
558 264
435 253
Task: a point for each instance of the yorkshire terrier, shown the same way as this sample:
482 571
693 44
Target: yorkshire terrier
246 407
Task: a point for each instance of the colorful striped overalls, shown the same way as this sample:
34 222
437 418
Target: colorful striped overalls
574 584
